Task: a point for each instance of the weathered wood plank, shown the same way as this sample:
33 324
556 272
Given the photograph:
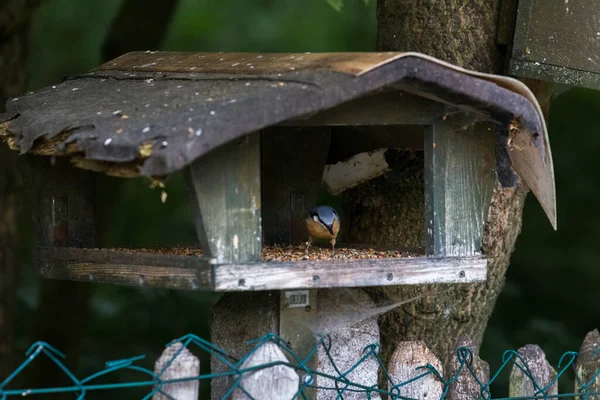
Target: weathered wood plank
238 318
344 315
521 385
185 365
292 162
279 382
225 191
466 386
356 63
197 273
459 179
403 365
297 316
360 273
123 268
588 364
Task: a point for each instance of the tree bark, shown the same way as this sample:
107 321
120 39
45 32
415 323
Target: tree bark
463 33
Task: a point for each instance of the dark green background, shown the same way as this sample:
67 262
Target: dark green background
550 296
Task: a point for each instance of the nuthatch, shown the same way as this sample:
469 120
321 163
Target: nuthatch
322 223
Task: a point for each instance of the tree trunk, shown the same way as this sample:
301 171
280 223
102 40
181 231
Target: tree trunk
463 33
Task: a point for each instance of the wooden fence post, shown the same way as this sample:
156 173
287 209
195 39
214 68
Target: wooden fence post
403 367
348 340
278 382
520 385
185 365
588 364
466 387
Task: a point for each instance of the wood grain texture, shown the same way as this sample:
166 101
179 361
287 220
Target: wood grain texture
177 362
226 194
466 386
328 274
233 326
588 363
403 365
459 180
338 316
295 328
121 268
278 382
194 273
248 63
521 385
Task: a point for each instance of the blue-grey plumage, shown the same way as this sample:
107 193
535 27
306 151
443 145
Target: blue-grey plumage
322 223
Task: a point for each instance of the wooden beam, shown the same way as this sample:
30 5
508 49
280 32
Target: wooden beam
359 273
198 273
460 175
124 268
225 189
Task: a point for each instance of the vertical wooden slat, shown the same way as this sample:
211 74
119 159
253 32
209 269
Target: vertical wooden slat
459 180
348 316
226 194
278 382
403 365
296 321
588 364
180 365
238 318
521 385
225 188
466 387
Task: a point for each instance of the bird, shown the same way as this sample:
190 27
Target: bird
322 223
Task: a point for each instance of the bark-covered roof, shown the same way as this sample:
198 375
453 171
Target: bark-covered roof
153 113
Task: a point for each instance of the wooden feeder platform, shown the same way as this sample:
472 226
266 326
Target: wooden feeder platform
185 268
153 113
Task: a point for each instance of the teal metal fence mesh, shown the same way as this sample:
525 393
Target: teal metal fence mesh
342 384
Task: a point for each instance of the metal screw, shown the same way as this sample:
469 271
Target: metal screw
241 282
461 274
316 278
307 379
390 276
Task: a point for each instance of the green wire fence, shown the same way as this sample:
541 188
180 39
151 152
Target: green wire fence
289 376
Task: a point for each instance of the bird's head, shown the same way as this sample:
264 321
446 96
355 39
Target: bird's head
327 217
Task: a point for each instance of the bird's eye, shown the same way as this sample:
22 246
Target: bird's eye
316 218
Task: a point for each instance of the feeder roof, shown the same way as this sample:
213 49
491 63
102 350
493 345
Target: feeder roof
153 113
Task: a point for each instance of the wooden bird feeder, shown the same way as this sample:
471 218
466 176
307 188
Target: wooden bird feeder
555 42
252 132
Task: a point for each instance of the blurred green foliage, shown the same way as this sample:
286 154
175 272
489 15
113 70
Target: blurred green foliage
549 298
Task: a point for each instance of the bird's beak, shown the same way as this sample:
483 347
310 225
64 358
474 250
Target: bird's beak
330 229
